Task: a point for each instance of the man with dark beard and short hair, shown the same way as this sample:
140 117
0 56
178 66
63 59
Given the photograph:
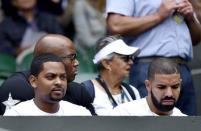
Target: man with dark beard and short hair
163 86
48 77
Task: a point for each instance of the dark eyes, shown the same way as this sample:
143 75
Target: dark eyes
72 57
50 77
162 87
53 76
63 77
126 58
175 86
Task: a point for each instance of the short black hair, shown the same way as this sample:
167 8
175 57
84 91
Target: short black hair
162 66
38 61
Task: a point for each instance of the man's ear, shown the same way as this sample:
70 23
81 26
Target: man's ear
33 81
106 64
148 85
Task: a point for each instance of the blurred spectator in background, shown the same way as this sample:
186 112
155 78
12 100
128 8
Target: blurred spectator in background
113 59
63 10
66 19
25 26
89 25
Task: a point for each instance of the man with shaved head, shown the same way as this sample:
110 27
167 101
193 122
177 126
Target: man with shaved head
62 47
19 88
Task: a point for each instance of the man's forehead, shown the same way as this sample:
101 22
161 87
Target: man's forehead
167 78
53 67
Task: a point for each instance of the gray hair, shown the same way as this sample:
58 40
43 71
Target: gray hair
101 43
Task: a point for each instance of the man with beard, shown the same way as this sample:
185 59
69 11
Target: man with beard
49 79
17 87
163 86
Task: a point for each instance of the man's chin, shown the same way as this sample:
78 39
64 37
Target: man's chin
72 78
166 108
55 100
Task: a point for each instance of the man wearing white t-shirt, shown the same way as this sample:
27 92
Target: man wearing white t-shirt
49 80
163 86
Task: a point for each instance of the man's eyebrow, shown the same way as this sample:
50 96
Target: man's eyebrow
163 84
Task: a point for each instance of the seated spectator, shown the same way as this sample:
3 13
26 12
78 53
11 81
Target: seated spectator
63 10
19 88
89 26
24 27
51 6
163 86
113 59
49 80
66 18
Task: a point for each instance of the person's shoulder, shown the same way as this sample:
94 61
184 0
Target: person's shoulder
133 104
10 21
22 74
177 112
132 108
73 109
6 20
17 79
70 105
20 108
74 86
23 104
135 91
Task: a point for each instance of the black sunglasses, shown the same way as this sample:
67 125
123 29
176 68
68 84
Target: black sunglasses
126 58
72 57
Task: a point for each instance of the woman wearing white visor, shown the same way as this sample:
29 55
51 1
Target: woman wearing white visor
113 59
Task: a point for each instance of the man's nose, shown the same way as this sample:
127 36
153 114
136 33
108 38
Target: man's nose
76 62
131 61
57 80
169 92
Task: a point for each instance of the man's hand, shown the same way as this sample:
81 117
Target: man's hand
167 7
186 10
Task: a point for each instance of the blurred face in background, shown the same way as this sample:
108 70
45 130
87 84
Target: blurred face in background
24 4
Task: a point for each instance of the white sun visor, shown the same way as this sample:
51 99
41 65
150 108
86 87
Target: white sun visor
118 46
